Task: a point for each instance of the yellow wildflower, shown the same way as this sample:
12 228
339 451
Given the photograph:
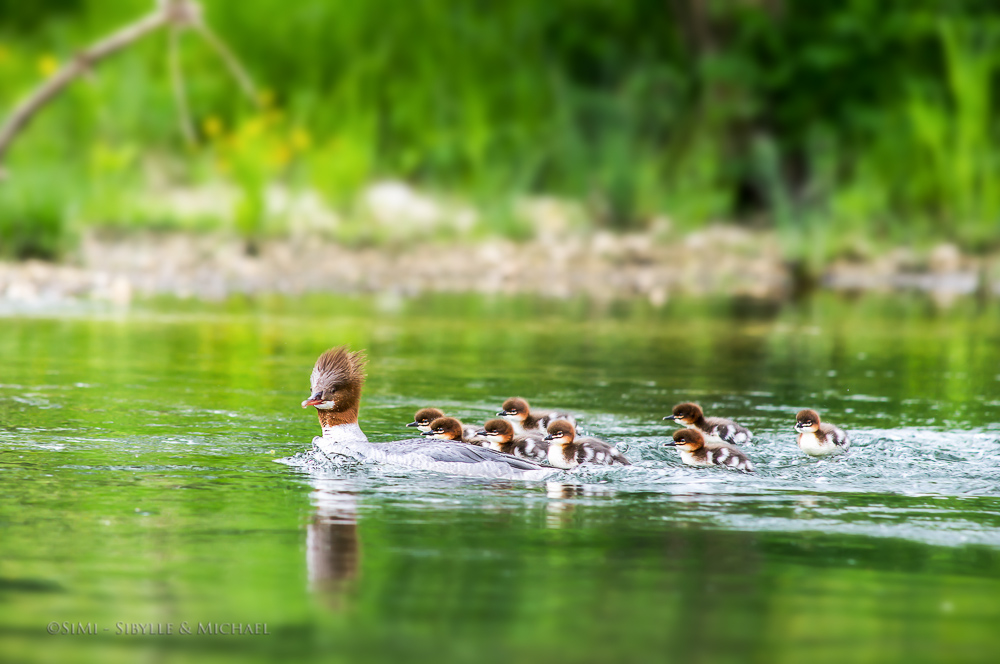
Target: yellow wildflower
47 65
300 139
212 126
281 155
252 127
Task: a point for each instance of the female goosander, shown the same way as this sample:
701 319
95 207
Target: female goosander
448 428
691 416
425 416
567 451
336 382
696 451
519 413
819 438
500 436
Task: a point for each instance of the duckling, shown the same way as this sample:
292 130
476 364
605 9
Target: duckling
567 451
696 451
448 428
691 415
423 418
519 413
500 436
819 438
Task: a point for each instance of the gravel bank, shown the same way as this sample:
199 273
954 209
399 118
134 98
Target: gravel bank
719 260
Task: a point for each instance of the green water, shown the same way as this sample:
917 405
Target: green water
138 485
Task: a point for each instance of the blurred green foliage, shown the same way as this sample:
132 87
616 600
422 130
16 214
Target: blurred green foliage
845 125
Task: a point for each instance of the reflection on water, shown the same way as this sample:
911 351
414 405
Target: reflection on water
333 550
561 504
137 483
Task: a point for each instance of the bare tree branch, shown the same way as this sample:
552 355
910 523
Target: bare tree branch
176 13
177 83
23 113
235 68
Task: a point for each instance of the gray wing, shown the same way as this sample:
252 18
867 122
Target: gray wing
837 435
547 417
729 431
446 451
731 456
595 450
531 447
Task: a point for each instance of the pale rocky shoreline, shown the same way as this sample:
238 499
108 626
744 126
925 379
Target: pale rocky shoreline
720 260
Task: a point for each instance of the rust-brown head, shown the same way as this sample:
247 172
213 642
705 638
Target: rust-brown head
806 421
515 407
423 418
335 385
497 431
686 414
560 432
445 428
687 439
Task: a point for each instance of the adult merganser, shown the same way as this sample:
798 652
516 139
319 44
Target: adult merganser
500 436
425 416
336 382
691 416
567 451
819 438
519 413
448 428
696 451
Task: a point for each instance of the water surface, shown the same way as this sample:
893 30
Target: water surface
138 484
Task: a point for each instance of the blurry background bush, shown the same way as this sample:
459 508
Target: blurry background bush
848 125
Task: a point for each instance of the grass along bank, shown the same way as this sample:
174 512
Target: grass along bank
846 129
